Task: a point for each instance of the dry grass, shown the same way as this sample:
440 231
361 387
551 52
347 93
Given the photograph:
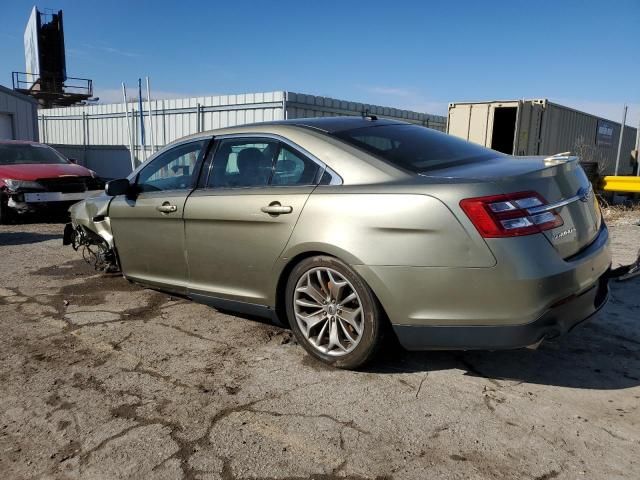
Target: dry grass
621 214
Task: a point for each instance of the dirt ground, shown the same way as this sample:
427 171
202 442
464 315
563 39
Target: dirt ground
100 378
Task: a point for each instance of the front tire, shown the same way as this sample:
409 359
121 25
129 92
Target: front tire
333 313
4 212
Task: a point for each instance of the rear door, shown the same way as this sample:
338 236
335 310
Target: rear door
240 221
148 228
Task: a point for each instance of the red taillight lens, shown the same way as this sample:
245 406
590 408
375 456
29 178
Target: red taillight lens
508 215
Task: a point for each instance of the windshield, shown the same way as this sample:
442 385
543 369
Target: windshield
415 148
17 154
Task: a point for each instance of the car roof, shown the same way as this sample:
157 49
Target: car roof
333 124
321 125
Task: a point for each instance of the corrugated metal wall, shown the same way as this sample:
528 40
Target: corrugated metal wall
568 130
300 105
172 119
100 125
22 112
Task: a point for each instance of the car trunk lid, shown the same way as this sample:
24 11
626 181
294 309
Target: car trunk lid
559 180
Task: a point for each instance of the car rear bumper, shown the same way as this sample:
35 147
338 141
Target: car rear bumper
514 304
558 320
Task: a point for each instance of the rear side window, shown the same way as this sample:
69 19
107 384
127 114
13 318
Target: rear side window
259 162
243 163
294 169
415 148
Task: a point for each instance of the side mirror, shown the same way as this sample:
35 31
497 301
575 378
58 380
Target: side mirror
117 187
73 160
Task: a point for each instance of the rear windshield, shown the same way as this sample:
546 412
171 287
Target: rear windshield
415 148
17 154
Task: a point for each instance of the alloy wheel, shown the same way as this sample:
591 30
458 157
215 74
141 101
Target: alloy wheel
328 311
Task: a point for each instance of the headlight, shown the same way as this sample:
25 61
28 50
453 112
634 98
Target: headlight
17 184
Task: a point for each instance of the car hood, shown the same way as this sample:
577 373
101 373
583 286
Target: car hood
34 171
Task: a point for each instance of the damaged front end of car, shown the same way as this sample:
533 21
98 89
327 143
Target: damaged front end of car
90 233
13 199
52 196
15 191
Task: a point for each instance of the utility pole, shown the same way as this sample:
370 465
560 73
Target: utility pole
624 121
126 110
151 129
142 142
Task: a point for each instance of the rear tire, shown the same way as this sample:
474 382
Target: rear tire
333 313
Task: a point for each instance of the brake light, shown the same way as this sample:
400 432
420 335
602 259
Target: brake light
498 216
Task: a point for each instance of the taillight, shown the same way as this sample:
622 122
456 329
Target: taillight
508 215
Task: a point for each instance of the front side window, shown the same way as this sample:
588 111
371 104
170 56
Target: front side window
415 148
172 170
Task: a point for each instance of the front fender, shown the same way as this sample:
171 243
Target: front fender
93 214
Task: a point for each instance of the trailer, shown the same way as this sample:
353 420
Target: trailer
541 127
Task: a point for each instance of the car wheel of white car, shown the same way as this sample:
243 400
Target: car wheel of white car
332 312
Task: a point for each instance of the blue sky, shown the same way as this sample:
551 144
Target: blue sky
418 55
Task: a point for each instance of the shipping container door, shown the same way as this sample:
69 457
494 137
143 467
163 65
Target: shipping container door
535 131
479 123
503 127
528 132
458 124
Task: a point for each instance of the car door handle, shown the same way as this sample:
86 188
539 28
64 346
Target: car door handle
167 208
277 209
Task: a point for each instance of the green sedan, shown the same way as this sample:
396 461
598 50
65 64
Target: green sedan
344 228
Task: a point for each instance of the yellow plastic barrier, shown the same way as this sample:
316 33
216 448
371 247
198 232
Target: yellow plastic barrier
621 184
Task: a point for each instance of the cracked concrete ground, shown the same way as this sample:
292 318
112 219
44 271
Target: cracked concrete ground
102 379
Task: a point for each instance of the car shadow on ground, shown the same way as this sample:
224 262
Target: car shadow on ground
603 353
38 218
23 238
553 364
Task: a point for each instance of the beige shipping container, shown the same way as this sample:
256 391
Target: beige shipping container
540 127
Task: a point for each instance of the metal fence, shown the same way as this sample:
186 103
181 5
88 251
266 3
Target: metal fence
83 129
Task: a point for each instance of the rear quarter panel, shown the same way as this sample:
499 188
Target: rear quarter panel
386 229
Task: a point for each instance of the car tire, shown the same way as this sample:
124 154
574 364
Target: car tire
351 316
4 212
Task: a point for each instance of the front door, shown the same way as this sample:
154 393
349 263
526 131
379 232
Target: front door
239 224
148 227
